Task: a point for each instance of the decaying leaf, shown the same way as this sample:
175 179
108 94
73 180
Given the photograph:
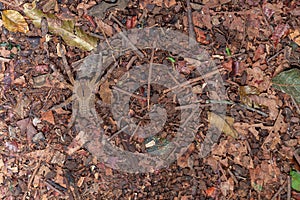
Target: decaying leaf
73 36
295 36
14 21
245 92
288 82
105 92
223 124
48 116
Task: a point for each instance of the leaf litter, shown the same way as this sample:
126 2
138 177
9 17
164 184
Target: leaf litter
251 160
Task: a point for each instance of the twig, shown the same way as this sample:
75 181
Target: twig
192 81
9 4
296 105
4 59
117 133
32 177
289 188
232 176
129 94
253 109
278 192
297 157
129 64
274 56
149 78
192 35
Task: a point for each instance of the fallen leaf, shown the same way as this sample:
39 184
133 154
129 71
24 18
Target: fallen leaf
108 30
105 92
295 180
14 21
288 82
48 117
295 36
73 36
200 36
100 9
77 143
245 92
211 192
223 124
26 126
169 3
131 22
279 32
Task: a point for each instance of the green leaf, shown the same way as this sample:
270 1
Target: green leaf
288 82
171 59
228 52
295 180
73 36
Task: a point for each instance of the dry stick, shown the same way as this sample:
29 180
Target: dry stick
4 59
149 78
129 64
296 105
129 94
32 177
192 35
278 192
209 74
296 154
117 133
289 188
9 4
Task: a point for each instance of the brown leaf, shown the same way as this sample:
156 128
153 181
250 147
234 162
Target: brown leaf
105 92
295 36
14 21
200 36
77 143
169 3
223 124
48 117
280 31
108 30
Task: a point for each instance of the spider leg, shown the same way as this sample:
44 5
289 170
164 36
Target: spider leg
95 80
73 117
63 104
66 65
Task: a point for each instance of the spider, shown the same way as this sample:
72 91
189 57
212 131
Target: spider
84 90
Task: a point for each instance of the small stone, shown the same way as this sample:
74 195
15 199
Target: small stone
38 137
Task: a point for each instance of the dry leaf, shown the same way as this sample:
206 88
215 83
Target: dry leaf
14 21
72 35
108 30
225 125
48 116
295 36
105 92
77 143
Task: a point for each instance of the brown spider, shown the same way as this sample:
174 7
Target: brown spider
84 90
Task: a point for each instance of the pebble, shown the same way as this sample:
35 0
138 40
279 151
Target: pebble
38 137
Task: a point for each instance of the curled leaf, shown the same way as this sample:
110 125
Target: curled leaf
223 124
14 21
288 82
245 92
73 36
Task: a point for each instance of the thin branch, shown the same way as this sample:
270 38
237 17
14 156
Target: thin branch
149 78
192 81
192 35
129 94
279 191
